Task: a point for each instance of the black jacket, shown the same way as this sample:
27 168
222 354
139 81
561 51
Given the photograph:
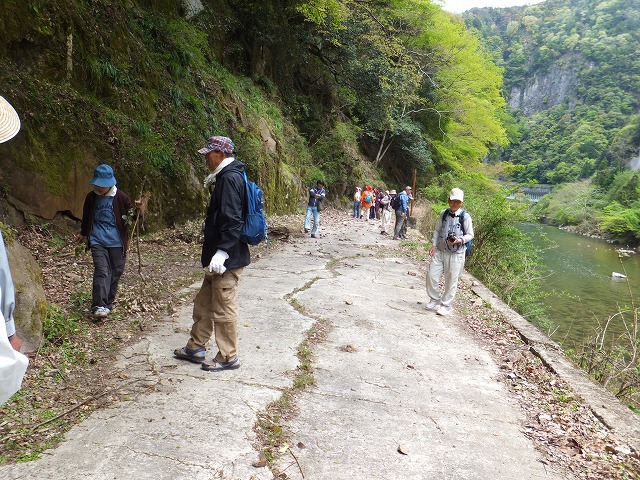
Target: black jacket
225 218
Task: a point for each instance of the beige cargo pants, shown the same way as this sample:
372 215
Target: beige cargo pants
215 307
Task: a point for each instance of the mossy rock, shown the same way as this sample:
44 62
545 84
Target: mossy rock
31 303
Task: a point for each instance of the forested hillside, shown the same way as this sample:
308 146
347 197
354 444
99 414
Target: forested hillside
350 91
572 77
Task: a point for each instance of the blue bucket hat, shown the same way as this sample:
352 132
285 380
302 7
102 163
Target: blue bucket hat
103 176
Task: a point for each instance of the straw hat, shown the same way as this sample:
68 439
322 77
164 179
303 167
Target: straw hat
9 121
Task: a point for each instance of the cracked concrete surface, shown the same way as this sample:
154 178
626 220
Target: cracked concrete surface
389 375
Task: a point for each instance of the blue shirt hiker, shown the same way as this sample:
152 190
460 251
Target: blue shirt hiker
316 197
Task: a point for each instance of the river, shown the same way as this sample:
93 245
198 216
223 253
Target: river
582 291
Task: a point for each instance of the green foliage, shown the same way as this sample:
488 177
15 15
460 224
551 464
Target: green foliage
589 130
504 257
305 89
605 95
403 72
578 203
337 149
622 222
324 12
56 327
625 188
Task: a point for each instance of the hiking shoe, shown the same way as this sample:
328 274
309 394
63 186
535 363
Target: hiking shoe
101 312
313 235
306 230
432 305
444 310
215 366
195 356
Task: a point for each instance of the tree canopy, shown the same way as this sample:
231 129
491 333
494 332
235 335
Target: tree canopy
572 83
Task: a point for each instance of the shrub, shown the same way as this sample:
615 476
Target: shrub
504 258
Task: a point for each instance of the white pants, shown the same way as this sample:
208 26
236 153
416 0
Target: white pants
449 264
12 365
386 220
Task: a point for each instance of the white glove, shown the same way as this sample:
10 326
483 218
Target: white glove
217 262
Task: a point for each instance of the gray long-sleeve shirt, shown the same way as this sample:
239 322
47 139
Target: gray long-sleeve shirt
7 292
452 224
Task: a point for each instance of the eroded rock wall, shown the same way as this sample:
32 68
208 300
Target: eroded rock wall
545 90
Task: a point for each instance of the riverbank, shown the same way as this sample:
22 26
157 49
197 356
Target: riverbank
386 380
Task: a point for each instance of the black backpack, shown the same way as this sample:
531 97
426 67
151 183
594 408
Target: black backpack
396 203
469 244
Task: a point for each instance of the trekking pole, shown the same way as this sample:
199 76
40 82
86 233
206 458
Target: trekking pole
141 207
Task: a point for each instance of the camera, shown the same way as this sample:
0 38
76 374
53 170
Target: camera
451 237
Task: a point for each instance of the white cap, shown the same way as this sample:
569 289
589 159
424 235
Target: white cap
456 194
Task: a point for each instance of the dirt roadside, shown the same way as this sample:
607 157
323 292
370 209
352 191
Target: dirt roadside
76 375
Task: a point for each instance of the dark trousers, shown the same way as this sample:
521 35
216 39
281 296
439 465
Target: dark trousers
108 266
397 231
403 230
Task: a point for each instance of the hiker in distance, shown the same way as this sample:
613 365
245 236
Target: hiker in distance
453 230
401 207
106 233
223 257
316 197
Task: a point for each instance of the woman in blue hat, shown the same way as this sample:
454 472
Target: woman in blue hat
105 231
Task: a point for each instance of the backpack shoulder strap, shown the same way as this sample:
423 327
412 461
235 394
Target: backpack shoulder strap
462 212
444 215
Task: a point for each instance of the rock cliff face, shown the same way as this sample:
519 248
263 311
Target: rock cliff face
142 96
29 191
545 90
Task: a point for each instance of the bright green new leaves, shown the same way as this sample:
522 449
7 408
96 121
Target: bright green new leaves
465 85
330 13
418 84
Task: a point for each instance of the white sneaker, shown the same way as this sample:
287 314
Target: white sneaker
101 312
444 310
432 305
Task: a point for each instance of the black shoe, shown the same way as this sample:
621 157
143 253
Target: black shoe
306 230
313 235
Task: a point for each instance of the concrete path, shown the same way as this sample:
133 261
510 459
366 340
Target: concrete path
390 375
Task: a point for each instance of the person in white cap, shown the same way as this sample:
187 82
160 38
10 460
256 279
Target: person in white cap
385 215
453 230
356 202
12 363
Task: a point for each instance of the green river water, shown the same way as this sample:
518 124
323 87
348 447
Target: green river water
582 289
